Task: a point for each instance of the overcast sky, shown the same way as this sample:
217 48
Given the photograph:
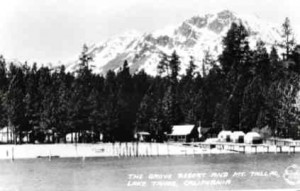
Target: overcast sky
55 30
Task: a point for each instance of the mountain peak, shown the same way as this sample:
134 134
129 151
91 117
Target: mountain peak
190 38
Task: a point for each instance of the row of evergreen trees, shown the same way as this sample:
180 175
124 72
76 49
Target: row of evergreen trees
244 89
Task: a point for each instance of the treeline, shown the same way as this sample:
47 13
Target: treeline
244 88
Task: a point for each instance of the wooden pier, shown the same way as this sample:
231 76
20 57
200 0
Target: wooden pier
252 148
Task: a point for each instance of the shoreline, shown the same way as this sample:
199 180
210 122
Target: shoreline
133 149
83 150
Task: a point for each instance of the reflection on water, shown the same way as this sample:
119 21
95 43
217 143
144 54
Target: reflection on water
207 172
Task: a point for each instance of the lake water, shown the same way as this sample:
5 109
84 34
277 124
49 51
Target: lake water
207 172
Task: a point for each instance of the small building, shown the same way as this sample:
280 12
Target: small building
49 136
237 137
253 138
183 133
72 137
26 135
224 136
143 136
6 135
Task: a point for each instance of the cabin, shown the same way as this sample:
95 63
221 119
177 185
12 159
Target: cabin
6 135
72 137
49 136
83 137
253 138
225 136
26 136
183 133
237 137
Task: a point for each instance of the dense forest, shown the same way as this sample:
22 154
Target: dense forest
244 89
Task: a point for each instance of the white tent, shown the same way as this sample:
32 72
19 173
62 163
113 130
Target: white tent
224 136
253 138
237 137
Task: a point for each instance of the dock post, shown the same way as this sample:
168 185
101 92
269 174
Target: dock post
113 149
243 148
49 155
137 149
280 149
168 153
193 151
294 149
147 151
12 154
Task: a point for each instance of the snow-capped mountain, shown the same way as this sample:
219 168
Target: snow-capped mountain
191 38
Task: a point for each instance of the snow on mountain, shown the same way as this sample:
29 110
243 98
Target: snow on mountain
190 38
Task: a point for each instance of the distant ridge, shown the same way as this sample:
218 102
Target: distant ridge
190 38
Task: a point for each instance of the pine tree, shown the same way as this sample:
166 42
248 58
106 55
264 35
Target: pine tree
3 89
111 111
32 99
234 61
171 108
163 66
15 103
64 93
288 41
81 89
187 95
254 108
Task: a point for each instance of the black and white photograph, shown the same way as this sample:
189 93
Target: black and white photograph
149 95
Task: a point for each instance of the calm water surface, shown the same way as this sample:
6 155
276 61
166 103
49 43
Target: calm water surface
257 171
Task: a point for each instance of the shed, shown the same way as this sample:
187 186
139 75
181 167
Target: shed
224 136
253 138
142 136
183 133
72 137
237 137
6 135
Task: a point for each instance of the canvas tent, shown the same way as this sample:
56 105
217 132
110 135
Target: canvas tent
183 133
253 138
224 136
237 137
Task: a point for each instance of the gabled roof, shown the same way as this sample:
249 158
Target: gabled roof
182 129
143 133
